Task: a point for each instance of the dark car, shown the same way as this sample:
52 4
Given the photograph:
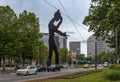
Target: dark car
61 66
53 68
18 66
41 68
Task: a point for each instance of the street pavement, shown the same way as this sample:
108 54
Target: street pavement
12 77
8 70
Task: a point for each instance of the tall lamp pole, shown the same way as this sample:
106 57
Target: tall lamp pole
38 55
116 45
95 55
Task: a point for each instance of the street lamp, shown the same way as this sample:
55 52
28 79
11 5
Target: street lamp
95 55
116 45
38 55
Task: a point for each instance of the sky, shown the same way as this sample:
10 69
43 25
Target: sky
45 9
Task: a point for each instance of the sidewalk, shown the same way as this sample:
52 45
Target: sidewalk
8 70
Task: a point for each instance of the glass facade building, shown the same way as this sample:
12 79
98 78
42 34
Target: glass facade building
60 41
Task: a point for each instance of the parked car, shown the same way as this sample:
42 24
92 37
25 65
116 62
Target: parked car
53 68
93 65
18 66
105 64
61 66
100 65
87 66
41 68
27 70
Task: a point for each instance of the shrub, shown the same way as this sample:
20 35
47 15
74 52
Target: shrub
112 66
115 66
112 74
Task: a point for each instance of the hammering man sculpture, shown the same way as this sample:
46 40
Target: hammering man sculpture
52 30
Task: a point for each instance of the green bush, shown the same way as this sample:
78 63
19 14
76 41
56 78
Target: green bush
115 66
112 66
112 74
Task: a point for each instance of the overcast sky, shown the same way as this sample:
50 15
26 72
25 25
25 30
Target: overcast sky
77 10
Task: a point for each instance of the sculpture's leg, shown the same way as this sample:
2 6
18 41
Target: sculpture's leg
56 54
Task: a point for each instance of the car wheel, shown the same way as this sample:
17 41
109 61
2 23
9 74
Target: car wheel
59 69
44 69
48 70
27 73
35 72
18 74
53 70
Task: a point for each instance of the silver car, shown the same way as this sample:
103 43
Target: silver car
27 70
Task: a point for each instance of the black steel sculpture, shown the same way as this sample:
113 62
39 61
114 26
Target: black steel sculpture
52 30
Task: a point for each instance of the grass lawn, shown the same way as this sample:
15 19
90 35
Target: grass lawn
87 76
94 77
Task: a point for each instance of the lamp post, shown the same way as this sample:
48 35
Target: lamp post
38 55
116 45
95 55
108 57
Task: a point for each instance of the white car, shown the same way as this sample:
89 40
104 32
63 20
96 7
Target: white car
105 65
26 70
100 65
93 65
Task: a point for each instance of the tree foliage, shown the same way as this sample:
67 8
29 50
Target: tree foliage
43 54
103 18
105 57
19 35
7 45
30 35
7 19
63 54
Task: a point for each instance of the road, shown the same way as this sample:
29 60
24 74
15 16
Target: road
14 78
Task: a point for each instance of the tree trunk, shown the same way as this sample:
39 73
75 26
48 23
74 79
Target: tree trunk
0 61
4 64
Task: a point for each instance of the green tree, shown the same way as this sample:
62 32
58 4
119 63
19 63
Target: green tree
63 54
19 35
81 57
102 57
89 58
30 35
103 18
43 51
105 57
111 56
7 19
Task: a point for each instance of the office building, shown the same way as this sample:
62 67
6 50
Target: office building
75 47
60 41
101 46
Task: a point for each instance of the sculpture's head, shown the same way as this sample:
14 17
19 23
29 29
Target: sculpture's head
57 15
